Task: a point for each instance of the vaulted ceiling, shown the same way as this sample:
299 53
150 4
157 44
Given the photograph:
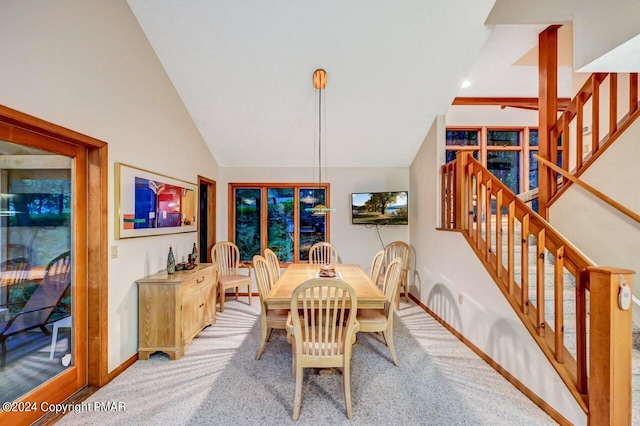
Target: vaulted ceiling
244 72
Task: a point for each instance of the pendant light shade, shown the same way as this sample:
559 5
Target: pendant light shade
319 83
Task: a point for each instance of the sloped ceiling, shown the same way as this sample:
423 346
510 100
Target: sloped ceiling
244 72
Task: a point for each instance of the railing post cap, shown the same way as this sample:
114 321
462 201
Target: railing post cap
610 270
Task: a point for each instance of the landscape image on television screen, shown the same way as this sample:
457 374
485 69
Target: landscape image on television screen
380 208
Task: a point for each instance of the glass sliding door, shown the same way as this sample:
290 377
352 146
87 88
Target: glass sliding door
36 288
248 223
280 224
312 225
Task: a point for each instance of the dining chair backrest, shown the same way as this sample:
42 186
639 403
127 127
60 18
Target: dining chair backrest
227 256
274 265
263 279
376 266
392 277
325 323
398 249
323 253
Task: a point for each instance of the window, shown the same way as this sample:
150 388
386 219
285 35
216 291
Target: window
275 216
506 152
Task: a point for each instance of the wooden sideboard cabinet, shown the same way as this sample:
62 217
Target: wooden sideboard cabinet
173 309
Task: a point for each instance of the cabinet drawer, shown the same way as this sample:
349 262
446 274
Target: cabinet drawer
198 280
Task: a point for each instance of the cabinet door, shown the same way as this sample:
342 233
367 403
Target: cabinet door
189 308
209 299
192 313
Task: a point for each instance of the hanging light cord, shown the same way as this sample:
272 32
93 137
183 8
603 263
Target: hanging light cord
319 141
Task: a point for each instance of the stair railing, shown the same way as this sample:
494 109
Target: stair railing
570 129
568 304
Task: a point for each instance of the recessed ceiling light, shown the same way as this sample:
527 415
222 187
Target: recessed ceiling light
465 84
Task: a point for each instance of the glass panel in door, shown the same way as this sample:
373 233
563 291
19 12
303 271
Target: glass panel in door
36 315
280 228
312 225
248 230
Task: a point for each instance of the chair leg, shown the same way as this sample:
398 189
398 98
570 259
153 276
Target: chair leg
298 398
388 337
346 377
222 293
406 287
263 338
249 293
236 293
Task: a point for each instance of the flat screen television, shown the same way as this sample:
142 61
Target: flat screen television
380 208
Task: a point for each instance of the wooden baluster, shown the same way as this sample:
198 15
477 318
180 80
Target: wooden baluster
499 234
633 92
487 220
558 286
460 189
524 266
579 132
613 104
582 282
540 246
470 185
451 197
479 200
565 145
443 197
595 115
610 349
510 244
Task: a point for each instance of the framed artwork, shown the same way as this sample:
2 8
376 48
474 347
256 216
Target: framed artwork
148 203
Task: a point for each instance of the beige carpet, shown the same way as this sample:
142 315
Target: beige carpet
218 381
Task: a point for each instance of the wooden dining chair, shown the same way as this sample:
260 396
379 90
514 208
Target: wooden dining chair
274 265
227 256
376 266
381 320
269 318
323 326
402 250
323 253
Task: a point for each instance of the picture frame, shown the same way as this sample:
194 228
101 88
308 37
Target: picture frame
149 203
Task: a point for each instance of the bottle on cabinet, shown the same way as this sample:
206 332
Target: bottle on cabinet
194 254
171 262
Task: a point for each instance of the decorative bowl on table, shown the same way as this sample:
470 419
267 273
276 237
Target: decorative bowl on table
189 266
179 266
327 271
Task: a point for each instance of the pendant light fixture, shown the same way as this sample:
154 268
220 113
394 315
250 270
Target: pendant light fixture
319 82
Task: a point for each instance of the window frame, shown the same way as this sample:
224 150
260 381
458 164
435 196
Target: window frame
264 187
483 147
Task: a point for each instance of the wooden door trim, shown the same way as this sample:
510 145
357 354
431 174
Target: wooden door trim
211 237
91 238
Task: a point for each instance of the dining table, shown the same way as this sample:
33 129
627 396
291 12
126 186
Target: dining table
368 293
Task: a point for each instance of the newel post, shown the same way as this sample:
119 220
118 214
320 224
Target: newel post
610 348
460 195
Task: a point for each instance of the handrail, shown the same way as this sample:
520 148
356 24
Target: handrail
483 209
571 122
613 203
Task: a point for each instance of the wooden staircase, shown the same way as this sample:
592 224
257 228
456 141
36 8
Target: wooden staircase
568 304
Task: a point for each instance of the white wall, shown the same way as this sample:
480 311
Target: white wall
601 232
447 271
490 116
87 66
356 243
598 26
